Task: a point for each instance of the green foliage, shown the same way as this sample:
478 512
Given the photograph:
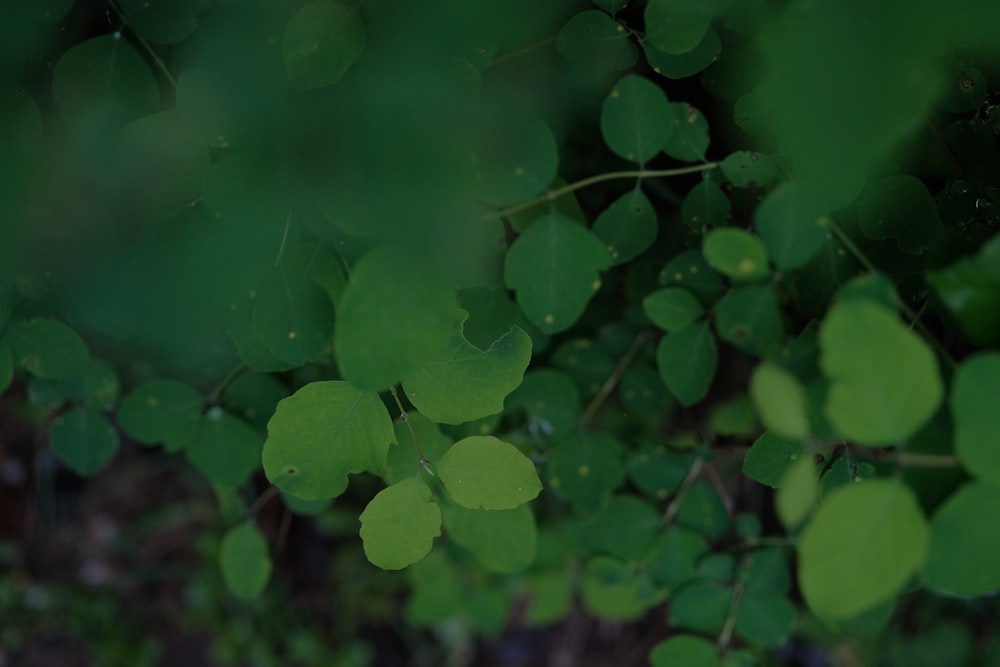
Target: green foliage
475 276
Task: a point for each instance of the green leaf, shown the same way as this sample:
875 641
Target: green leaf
636 119
554 267
970 288
292 317
769 457
47 348
224 448
690 138
701 508
611 6
513 161
672 308
780 401
797 493
744 168
551 597
689 63
323 432
6 365
551 400
977 419
702 607
484 472
884 380
503 541
657 470
705 207
245 561
627 226
394 316
899 207
687 650
792 224
750 317
677 26
612 589
103 83
435 590
965 87
467 383
861 547
690 271
595 41
585 467
320 43
84 440
765 619
403 460
161 411
686 360
965 545
162 21
675 556
625 527
736 253
399 525
641 391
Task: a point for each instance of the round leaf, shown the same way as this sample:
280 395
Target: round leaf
636 119
861 547
47 348
689 63
672 308
791 224
84 440
502 540
769 457
585 467
736 253
467 383
484 472
686 360
595 41
554 267
399 525
514 161
245 561
677 26
975 409
292 317
690 138
744 168
686 650
627 226
320 43
780 401
965 544
884 381
899 207
322 432
161 411
224 448
706 206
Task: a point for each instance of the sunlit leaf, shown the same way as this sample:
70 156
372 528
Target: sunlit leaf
484 472
399 525
736 253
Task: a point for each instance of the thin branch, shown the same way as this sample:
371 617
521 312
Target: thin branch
675 505
145 45
722 645
594 180
613 379
216 393
517 53
264 499
284 239
404 417
920 460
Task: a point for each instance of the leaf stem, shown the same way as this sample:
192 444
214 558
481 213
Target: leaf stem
264 499
921 460
613 380
145 45
675 505
722 645
216 393
404 417
552 195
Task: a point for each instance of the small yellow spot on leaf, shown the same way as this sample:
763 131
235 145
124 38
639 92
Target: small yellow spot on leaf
596 285
747 266
678 276
291 335
152 401
519 171
823 221
693 269
661 493
584 470
615 93
550 319
253 294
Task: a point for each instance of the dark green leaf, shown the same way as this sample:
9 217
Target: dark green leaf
585 468
970 288
689 63
677 26
162 21
686 650
320 43
627 226
686 360
964 543
659 471
792 224
675 556
322 432
551 400
554 267
595 41
977 419
766 619
769 457
292 317
690 271
690 137
701 606
47 348
702 509
705 207
672 308
636 119
84 440
750 318
513 161
224 448
245 561
743 168
625 527
399 525
161 411
900 207
502 540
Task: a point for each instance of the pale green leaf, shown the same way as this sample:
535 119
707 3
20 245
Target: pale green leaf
484 472
780 401
797 492
884 380
468 383
554 267
245 561
861 547
736 253
976 410
965 544
687 650
399 525
322 432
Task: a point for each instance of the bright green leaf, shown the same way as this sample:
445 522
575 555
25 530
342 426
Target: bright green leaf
636 119
502 540
792 225
780 401
736 253
403 460
677 26
686 360
484 472
965 544
861 547
161 411
394 316
884 380
672 308
797 492
399 525
627 226
245 561
84 440
595 41
554 267
975 408
320 43
224 448
322 432
687 650
468 383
